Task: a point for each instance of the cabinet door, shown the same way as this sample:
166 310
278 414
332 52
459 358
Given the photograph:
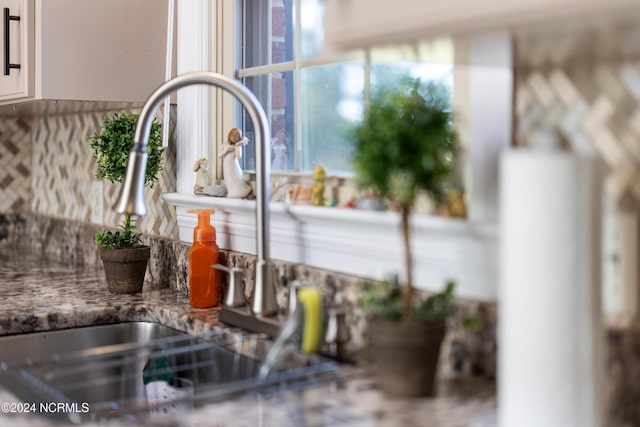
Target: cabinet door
100 50
14 80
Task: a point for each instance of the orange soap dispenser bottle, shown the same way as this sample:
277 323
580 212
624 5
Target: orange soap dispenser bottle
203 280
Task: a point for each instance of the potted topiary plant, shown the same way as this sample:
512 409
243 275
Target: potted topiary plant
405 351
406 144
123 255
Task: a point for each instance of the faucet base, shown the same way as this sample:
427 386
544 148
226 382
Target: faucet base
242 317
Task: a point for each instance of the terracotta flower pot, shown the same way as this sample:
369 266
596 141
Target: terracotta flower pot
405 356
125 268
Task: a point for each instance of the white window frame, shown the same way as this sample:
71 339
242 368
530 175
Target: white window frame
348 241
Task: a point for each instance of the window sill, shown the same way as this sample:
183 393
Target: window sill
362 243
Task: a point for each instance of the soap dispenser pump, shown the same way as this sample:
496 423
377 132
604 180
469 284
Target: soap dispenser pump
203 280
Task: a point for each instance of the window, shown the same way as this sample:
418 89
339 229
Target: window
340 239
312 100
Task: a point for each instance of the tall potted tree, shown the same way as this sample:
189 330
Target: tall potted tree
123 255
406 144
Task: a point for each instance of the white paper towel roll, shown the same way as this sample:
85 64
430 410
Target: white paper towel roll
549 306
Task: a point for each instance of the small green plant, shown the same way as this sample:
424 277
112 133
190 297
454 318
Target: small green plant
406 144
384 301
127 238
111 152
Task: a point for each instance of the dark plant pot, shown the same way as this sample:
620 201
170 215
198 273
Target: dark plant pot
125 268
405 356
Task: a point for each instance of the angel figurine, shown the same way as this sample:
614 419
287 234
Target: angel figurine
230 152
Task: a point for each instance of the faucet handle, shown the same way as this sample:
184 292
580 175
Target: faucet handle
235 292
336 332
293 295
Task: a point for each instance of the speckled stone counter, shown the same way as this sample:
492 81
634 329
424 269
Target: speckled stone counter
39 295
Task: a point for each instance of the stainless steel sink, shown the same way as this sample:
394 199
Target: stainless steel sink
109 367
39 345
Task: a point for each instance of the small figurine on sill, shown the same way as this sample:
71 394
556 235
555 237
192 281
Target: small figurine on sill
203 185
230 152
317 196
201 168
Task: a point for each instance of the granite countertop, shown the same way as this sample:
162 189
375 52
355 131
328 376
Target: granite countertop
43 295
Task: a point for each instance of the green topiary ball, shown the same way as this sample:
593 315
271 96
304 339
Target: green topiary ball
112 145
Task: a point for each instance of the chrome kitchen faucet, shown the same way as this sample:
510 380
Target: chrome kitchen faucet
259 317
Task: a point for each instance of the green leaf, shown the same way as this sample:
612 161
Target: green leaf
437 307
125 238
112 144
383 300
407 133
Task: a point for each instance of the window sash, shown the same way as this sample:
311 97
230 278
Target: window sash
260 18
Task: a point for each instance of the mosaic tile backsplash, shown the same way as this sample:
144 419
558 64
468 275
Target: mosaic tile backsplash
15 164
46 167
580 90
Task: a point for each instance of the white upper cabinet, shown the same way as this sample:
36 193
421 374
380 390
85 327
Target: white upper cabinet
360 23
87 50
13 77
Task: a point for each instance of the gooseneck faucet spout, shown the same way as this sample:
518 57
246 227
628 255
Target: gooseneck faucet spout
131 200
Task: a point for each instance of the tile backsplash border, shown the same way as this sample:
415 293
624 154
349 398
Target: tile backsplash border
47 168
